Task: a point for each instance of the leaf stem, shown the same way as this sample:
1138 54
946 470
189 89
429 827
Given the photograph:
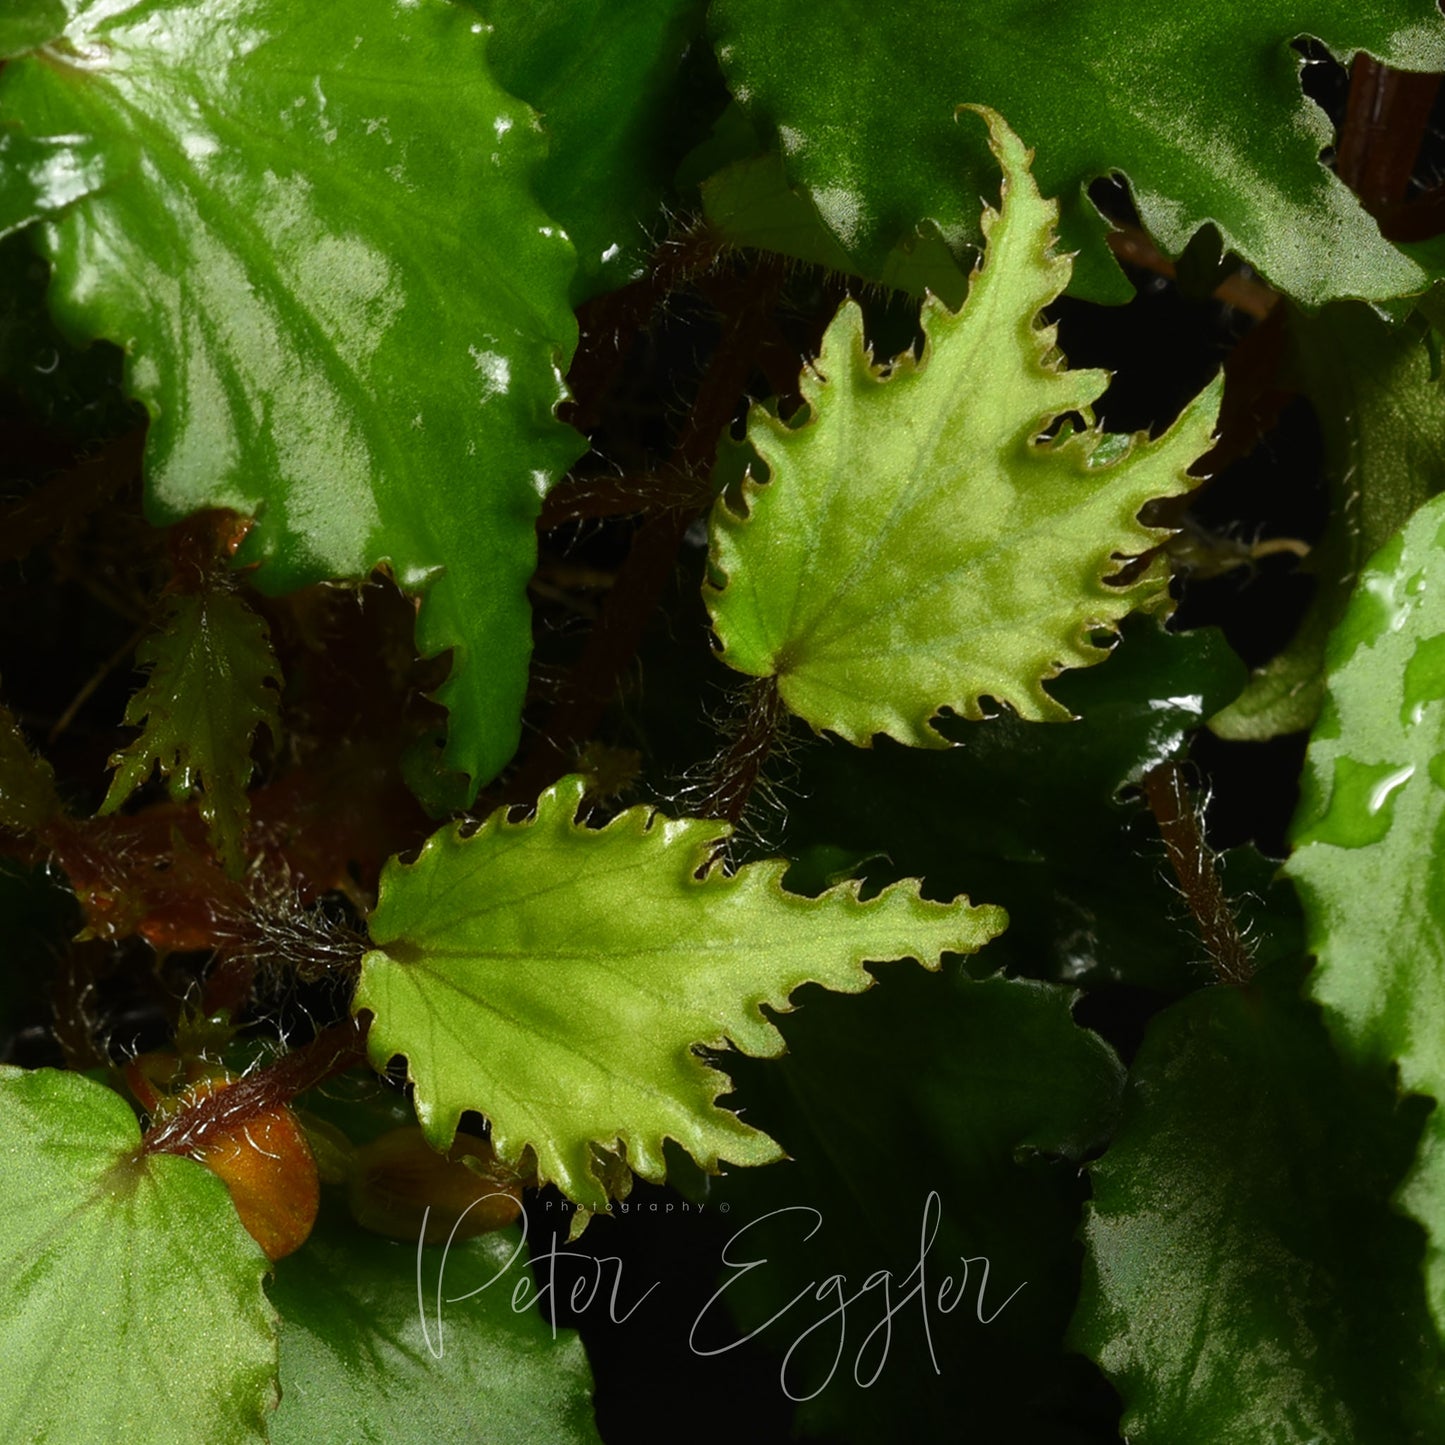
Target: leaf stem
1168 797
332 1051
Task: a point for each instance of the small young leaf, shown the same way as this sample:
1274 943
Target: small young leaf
560 979
1244 1279
1200 107
133 1300
369 1352
919 547
208 691
1370 830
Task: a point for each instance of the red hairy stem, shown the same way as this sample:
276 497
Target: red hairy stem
332 1051
752 739
1169 800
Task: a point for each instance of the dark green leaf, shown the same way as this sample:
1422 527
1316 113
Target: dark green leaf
1199 107
1244 1278
1027 813
343 308
607 79
929 1085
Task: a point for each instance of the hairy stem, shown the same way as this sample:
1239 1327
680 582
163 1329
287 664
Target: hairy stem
1189 855
332 1051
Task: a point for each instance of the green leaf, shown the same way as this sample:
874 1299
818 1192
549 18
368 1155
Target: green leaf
343 308
41 176
133 1300
862 103
1381 414
985 1094
75 391
1371 828
560 979
207 693
1034 818
1244 1279
28 799
606 77
750 201
29 23
361 1362
919 547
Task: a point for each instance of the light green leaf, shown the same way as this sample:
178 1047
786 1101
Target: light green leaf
1370 833
361 1362
608 80
919 547
1198 107
208 691
1381 414
133 1300
1244 1279
343 308
560 979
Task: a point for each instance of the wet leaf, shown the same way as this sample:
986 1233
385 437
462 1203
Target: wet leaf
344 314
1100 88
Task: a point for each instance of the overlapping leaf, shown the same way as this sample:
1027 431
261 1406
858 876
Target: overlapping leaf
1033 818
379 1342
343 309
608 81
560 979
1381 411
918 546
133 1300
1370 832
976 1093
211 669
1244 1277
1199 107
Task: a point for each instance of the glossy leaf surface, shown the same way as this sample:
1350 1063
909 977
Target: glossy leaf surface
1370 830
918 547
210 687
1039 819
369 1352
1244 1278
609 85
1381 412
917 1090
1100 88
134 1308
343 309
559 979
